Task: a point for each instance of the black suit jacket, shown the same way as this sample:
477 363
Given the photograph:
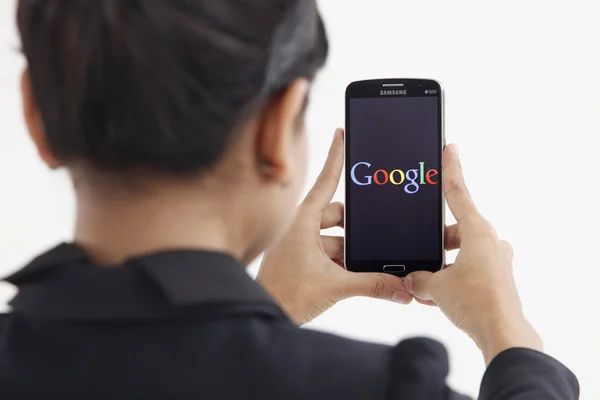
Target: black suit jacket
194 325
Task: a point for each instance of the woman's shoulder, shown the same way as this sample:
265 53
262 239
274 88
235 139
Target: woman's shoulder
417 367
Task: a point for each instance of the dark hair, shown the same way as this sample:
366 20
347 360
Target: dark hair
161 83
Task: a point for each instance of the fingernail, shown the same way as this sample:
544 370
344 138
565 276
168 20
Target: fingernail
401 297
455 149
339 132
408 283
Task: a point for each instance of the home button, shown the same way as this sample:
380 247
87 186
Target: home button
394 268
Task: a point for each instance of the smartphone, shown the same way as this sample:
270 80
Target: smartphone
394 196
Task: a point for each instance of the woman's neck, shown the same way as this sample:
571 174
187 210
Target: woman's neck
113 226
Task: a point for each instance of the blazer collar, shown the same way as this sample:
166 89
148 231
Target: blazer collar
65 283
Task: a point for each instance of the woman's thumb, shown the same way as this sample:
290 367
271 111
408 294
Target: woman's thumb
377 286
420 285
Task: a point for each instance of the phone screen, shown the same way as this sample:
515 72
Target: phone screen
394 204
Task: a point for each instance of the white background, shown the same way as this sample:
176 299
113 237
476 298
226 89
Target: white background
523 105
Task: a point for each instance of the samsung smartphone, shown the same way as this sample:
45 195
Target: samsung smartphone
394 196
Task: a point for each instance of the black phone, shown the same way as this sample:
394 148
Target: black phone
394 196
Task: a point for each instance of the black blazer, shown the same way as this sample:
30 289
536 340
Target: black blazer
194 325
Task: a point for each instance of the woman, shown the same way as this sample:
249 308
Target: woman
181 124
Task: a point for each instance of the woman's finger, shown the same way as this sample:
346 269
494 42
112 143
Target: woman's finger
426 302
377 286
458 197
334 248
452 238
324 189
333 216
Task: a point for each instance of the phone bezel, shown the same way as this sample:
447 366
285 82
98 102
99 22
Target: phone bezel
372 89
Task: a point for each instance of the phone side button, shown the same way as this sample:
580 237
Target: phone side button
394 268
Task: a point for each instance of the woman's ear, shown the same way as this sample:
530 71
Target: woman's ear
278 130
34 123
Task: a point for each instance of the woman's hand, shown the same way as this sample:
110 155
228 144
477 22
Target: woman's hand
304 271
478 292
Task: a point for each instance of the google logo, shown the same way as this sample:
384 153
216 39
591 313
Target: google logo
396 177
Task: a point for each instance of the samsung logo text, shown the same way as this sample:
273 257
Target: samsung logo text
393 92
